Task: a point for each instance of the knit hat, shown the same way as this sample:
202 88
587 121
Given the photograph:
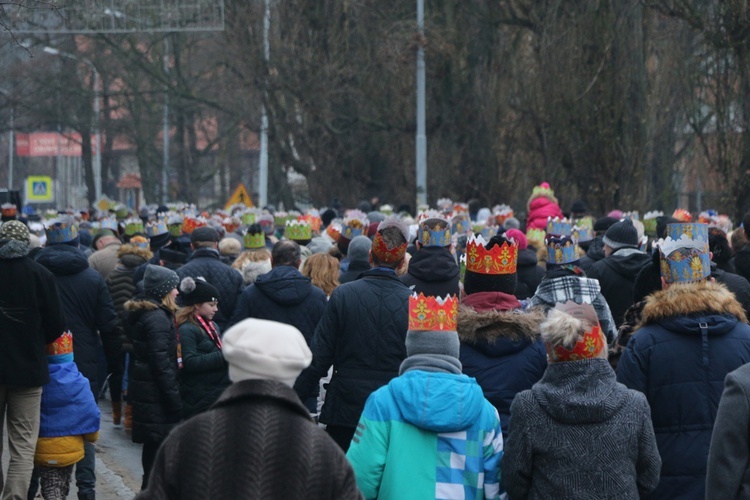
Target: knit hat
578 207
14 230
604 223
511 223
519 237
204 233
197 291
259 349
359 249
621 235
443 342
159 281
319 244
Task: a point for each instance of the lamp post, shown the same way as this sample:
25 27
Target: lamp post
421 139
97 109
11 137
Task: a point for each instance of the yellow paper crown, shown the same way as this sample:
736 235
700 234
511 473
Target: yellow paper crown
500 259
429 313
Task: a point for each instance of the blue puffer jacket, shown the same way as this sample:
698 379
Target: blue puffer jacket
283 295
500 347
362 334
693 336
205 262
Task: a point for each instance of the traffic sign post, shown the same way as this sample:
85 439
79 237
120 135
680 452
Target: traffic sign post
39 189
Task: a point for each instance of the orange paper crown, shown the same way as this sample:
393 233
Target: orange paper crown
433 313
588 347
385 254
62 345
501 259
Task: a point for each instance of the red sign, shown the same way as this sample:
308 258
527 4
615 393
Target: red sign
50 144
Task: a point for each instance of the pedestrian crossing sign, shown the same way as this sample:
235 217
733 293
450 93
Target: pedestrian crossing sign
239 195
39 189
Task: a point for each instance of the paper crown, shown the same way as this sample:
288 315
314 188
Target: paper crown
559 227
157 228
445 204
190 224
488 232
460 223
231 224
633 215
685 254
140 242
133 226
650 222
708 217
355 224
108 223
561 250
536 235
121 211
462 267
590 346
460 208
385 254
62 345
682 215
427 313
542 189
435 236
500 259
298 230
312 219
334 230
254 241
61 231
248 218
582 234
8 210
386 209
502 213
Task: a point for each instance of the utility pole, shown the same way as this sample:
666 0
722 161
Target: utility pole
421 134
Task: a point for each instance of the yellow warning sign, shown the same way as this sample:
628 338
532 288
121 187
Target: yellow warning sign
239 196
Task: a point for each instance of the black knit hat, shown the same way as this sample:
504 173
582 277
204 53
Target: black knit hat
578 207
604 223
621 235
197 291
159 281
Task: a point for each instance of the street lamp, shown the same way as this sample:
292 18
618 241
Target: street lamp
421 139
98 156
11 136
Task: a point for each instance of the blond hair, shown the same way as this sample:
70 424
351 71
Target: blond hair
169 302
186 315
251 256
323 270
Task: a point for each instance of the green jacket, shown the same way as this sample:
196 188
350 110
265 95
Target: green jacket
204 375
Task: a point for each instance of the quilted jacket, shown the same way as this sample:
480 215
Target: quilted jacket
205 262
362 334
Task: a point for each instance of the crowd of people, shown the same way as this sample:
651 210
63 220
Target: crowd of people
371 353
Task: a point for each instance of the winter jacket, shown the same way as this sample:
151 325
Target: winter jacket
579 434
256 442
205 262
728 474
104 260
742 262
428 435
616 275
87 307
540 208
594 254
153 383
500 347
30 316
353 271
529 274
362 334
284 295
69 416
122 287
692 336
432 271
579 289
736 284
204 375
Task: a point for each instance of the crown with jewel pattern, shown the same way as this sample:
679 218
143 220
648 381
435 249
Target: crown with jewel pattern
61 230
582 234
156 228
231 224
333 230
62 346
685 253
313 220
502 213
558 226
439 235
385 254
355 224
254 241
588 347
190 223
561 249
427 313
500 259
682 215
460 223
108 223
298 230
248 217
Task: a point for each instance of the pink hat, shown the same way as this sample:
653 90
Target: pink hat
519 237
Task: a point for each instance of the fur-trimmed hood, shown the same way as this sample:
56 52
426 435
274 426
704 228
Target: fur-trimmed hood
129 249
141 304
488 326
705 298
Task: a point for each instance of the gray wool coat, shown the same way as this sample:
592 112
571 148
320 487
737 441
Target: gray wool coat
579 434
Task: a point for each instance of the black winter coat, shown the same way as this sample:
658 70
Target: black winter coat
204 375
736 284
529 274
205 262
256 442
283 295
30 316
594 254
122 288
87 307
616 275
355 269
362 334
742 262
432 271
153 384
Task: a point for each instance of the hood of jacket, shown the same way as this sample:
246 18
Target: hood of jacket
437 402
682 308
13 249
433 264
284 285
63 260
627 262
580 392
498 333
596 249
132 256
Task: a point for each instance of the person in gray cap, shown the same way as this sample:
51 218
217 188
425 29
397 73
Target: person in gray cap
359 259
617 271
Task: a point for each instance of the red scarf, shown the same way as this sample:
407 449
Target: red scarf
210 329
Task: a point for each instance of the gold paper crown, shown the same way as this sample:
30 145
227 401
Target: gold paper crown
500 259
433 313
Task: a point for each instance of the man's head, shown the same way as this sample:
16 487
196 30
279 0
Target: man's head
204 237
620 235
389 244
286 253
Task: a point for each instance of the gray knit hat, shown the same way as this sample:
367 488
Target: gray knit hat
359 249
443 342
159 281
621 235
14 230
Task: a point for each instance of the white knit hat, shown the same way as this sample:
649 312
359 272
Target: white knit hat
258 349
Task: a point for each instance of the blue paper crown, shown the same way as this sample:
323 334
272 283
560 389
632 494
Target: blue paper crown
685 254
435 237
488 232
562 227
582 234
694 231
561 250
108 224
352 232
156 229
61 232
460 224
